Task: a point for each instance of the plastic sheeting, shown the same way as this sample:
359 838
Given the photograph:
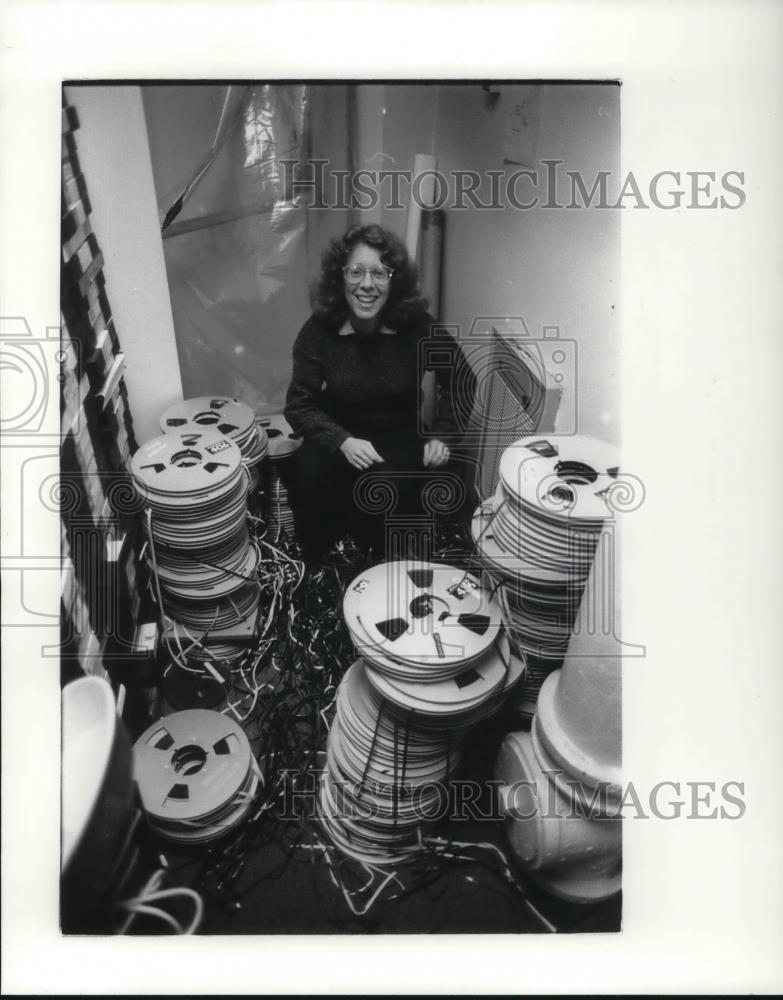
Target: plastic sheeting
236 243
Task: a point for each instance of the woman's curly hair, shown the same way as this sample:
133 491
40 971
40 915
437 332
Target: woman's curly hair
404 303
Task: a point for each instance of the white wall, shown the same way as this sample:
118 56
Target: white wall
115 160
370 140
554 268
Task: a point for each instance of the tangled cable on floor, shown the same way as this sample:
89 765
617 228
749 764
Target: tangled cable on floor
282 691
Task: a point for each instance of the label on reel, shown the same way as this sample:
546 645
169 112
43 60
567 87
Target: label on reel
213 449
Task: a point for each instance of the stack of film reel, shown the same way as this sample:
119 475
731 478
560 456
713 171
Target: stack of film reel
536 539
195 490
197 776
229 417
433 664
282 445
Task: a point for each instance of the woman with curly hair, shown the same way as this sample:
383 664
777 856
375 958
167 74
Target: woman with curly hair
355 392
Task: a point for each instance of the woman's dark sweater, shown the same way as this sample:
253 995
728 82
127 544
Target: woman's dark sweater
369 385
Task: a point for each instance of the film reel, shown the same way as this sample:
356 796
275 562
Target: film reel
281 438
229 417
458 701
198 541
383 775
422 615
182 470
211 616
196 775
560 478
537 537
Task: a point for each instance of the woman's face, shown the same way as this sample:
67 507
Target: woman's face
365 298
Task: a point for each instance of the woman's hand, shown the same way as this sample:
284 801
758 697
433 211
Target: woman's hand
359 453
435 453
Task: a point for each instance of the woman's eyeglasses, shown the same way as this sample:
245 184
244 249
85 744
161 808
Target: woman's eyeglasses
354 274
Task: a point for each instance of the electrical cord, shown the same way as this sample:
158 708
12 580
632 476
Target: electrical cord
283 693
143 904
